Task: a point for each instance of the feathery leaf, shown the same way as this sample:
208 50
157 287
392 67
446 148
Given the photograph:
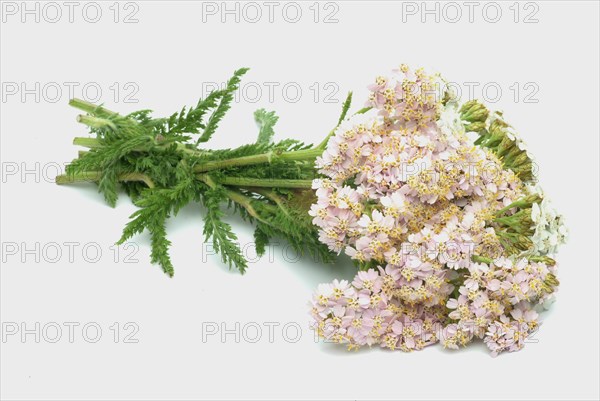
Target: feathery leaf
266 120
223 107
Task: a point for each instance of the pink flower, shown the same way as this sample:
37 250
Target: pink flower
369 280
406 187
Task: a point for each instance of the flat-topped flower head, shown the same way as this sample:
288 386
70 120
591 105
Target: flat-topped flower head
452 225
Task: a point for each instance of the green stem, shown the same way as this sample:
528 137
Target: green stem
90 108
246 203
262 182
522 203
87 176
298 155
94 143
240 199
86 142
95 122
271 195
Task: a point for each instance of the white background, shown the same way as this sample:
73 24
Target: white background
168 54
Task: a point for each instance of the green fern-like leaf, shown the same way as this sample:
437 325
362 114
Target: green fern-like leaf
191 122
345 107
224 105
266 121
261 239
156 206
160 245
224 239
107 185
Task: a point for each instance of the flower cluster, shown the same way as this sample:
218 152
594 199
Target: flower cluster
368 312
436 204
496 301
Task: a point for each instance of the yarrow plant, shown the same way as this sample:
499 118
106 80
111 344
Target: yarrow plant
434 200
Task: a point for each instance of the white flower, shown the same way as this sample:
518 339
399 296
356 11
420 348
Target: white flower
450 122
550 231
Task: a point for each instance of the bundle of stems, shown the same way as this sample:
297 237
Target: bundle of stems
162 166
